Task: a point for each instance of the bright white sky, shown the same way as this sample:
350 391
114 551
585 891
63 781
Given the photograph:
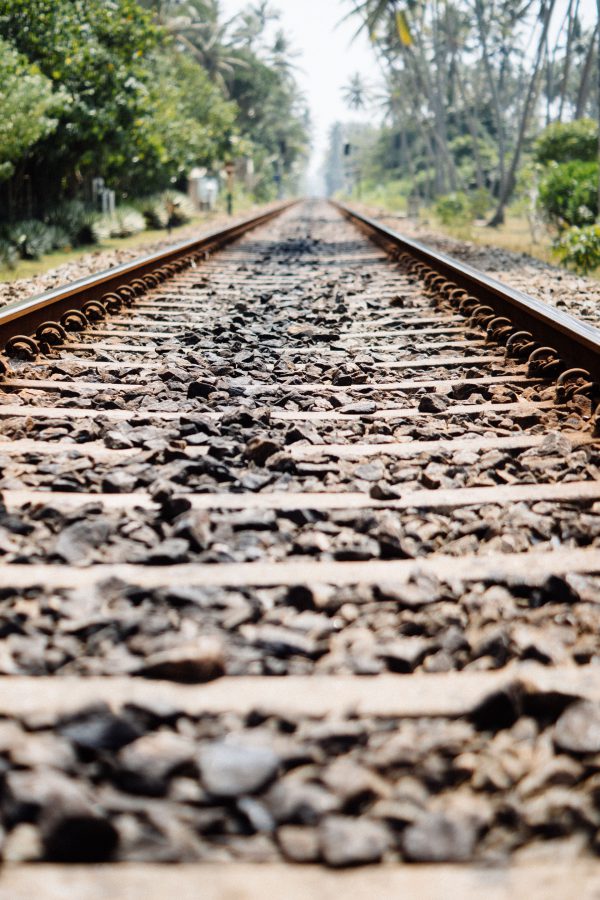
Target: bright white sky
329 57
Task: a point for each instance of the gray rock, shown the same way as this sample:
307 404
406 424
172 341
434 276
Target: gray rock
299 844
75 543
578 728
299 802
230 768
22 844
437 837
345 841
148 762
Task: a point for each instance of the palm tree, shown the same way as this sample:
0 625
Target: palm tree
356 94
375 13
197 27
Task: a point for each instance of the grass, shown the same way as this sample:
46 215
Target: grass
514 235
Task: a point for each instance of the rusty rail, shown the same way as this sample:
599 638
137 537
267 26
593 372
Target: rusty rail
554 342
28 326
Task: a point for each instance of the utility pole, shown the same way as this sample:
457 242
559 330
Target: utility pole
230 170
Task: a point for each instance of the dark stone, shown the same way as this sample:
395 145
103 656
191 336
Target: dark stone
432 403
199 389
97 728
259 449
78 838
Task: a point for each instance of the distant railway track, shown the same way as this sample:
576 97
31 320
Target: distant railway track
301 564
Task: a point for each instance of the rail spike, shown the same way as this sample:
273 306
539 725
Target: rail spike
112 302
499 330
574 382
520 344
51 333
21 346
544 361
94 310
74 320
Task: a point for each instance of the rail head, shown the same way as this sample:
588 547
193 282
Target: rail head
577 342
23 317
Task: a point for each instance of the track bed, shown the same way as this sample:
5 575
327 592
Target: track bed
298 566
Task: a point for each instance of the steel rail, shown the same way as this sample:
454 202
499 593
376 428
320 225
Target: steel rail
575 343
43 318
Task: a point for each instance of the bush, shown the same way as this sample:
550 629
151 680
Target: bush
8 254
480 202
565 142
569 193
453 209
580 247
75 220
181 207
58 237
31 238
126 221
154 212
170 204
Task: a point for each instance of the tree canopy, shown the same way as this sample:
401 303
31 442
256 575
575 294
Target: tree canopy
138 94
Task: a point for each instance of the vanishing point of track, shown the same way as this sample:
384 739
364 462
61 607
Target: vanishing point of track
301 563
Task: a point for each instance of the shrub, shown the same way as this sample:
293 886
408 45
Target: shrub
75 220
563 142
8 254
181 206
154 212
480 202
126 221
31 238
170 204
452 209
580 247
569 193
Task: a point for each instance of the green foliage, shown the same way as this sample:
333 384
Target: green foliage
8 254
158 209
272 119
188 123
97 52
75 220
126 221
179 206
480 202
454 208
138 96
154 211
31 238
28 107
580 247
568 193
564 142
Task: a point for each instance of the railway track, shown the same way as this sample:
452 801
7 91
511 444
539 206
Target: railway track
301 565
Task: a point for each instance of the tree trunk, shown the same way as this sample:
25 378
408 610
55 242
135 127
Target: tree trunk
528 107
572 16
584 85
472 126
498 113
